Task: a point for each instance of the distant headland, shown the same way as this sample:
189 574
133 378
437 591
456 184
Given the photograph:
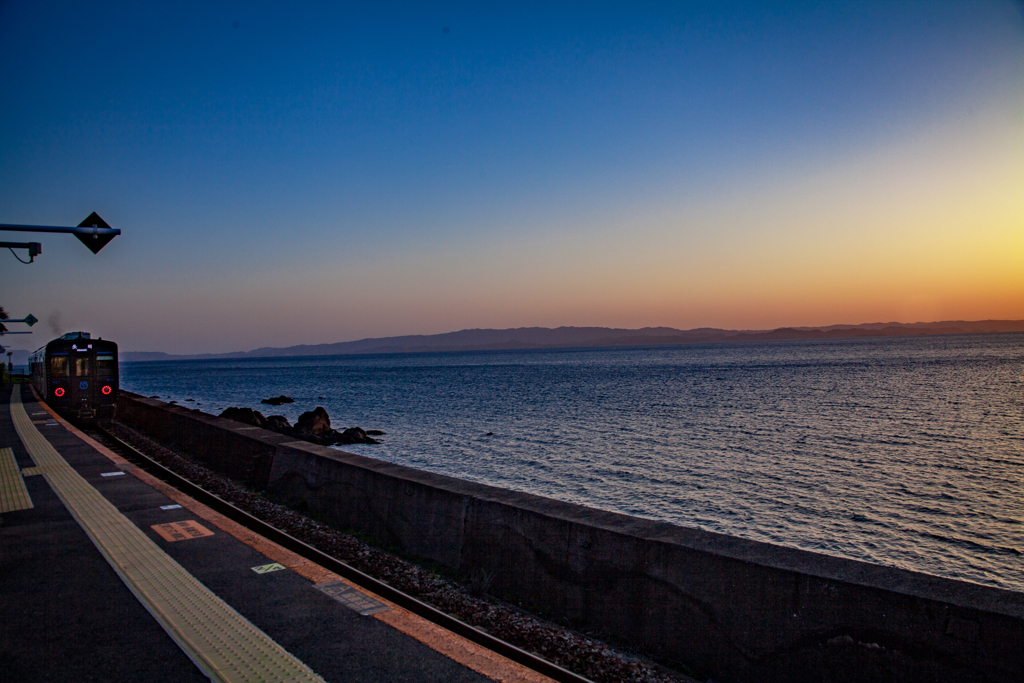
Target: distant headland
566 337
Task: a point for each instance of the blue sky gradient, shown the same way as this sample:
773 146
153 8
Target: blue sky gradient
326 172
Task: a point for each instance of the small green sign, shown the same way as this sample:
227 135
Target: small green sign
31 320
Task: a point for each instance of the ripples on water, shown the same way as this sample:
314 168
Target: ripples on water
901 451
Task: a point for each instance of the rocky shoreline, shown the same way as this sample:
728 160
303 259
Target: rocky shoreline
313 426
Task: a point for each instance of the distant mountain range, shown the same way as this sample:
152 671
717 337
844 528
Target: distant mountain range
564 337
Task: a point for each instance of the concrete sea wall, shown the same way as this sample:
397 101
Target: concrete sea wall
720 606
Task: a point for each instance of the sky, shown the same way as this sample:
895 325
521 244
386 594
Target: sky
308 173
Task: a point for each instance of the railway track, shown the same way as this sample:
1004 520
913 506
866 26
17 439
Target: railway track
418 607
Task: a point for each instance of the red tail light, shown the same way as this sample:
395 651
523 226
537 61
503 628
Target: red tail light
58 392
105 390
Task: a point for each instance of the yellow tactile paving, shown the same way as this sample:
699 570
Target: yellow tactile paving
13 494
216 637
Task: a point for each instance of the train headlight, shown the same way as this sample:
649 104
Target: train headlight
58 392
106 390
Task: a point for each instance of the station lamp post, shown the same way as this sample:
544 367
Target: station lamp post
93 232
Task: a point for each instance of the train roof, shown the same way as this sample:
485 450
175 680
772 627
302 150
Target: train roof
71 338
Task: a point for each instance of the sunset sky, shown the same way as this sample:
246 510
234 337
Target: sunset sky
321 172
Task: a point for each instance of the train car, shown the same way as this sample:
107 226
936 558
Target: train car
77 376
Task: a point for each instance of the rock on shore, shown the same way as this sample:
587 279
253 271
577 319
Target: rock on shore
313 426
246 415
280 400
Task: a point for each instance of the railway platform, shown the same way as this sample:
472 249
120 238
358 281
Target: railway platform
108 574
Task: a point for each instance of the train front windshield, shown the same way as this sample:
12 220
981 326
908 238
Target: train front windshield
106 366
58 366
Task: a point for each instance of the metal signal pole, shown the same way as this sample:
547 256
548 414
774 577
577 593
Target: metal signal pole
93 232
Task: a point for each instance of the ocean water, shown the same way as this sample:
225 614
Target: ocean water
906 452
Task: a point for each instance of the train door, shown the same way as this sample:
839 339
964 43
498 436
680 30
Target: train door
83 386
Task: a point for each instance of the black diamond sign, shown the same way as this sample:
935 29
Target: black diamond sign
94 242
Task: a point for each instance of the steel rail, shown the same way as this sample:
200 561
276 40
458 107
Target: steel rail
418 607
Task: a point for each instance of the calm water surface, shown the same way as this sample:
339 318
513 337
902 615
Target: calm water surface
901 451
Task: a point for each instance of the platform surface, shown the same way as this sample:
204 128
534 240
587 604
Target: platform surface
110 575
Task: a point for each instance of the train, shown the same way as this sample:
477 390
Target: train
77 376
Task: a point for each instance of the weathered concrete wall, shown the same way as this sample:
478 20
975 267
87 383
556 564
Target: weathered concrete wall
724 607
239 451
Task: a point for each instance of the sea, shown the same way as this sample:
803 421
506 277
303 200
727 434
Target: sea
900 451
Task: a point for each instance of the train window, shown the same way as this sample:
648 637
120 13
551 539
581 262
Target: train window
106 366
59 366
82 367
